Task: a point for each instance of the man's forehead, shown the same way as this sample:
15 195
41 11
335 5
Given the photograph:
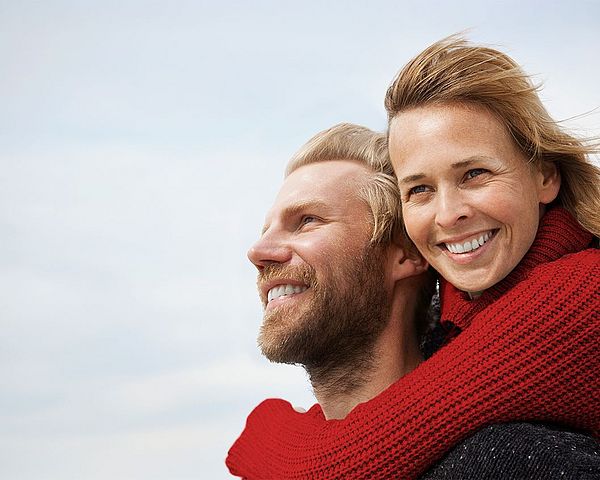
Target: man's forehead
343 174
321 184
323 180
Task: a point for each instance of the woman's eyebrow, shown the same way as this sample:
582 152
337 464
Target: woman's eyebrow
411 178
468 161
454 166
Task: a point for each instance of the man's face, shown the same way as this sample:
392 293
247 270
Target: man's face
323 286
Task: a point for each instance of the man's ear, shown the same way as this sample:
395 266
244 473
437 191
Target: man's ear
548 182
405 263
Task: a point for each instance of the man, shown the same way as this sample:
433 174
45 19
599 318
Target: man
338 280
346 296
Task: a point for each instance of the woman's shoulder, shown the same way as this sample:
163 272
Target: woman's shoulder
584 260
567 280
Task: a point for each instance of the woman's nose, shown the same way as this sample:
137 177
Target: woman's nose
451 207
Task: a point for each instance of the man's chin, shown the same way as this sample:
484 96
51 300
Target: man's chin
280 342
275 346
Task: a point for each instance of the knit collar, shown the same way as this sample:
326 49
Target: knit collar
558 234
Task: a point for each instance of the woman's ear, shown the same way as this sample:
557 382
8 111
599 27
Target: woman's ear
548 182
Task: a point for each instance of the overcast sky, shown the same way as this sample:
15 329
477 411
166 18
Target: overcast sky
141 143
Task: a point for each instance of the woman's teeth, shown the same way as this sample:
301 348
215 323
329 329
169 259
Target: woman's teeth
468 246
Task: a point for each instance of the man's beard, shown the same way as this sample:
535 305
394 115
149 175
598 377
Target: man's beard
337 324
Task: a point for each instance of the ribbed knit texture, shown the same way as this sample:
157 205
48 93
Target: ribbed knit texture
529 350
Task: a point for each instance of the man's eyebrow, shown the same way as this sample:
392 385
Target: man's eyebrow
305 205
455 166
299 207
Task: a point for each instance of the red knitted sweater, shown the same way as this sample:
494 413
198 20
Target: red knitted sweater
529 350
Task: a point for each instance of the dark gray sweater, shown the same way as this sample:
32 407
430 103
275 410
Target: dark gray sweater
521 451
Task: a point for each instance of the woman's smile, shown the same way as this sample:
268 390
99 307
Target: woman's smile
471 202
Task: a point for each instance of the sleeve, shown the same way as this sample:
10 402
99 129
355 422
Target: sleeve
536 360
521 450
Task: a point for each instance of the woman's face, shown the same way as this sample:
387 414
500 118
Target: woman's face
470 201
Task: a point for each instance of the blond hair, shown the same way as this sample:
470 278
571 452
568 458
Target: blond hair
347 141
455 71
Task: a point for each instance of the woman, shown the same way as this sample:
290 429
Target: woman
504 205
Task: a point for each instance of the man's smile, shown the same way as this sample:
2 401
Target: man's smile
283 290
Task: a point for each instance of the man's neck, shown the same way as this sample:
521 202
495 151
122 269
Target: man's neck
339 388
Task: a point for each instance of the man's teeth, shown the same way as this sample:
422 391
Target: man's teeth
281 290
470 245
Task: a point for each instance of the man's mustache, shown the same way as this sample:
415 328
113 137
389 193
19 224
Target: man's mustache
300 273
304 273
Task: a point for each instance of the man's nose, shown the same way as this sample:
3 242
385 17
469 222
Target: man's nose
269 249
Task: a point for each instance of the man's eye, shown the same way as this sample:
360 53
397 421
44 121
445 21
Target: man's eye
475 172
307 219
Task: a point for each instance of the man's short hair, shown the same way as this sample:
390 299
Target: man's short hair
347 141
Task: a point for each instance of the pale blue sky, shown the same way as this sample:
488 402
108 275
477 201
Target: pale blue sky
141 143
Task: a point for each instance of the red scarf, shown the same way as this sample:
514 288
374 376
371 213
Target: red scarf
528 351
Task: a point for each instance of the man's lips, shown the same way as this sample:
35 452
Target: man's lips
283 290
277 288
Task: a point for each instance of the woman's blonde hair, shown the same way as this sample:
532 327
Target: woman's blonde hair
455 71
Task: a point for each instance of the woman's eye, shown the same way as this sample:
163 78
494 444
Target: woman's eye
416 190
475 172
